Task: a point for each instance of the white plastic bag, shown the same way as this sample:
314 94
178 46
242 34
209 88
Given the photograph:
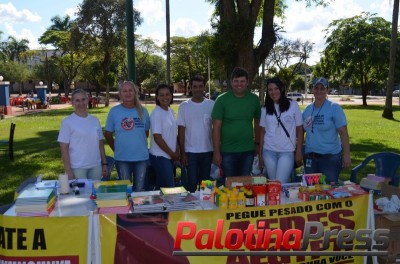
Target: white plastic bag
255 168
215 172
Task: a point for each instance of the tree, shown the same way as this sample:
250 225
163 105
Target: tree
145 50
388 111
71 50
189 56
357 48
234 24
61 24
155 75
14 48
105 22
286 52
3 55
48 70
14 72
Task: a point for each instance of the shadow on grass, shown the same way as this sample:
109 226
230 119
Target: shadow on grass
372 108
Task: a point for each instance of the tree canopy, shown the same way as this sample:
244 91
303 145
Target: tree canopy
357 51
234 24
104 21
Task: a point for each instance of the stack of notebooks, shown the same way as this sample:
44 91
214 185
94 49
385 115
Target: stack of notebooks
169 199
178 202
148 203
111 196
34 202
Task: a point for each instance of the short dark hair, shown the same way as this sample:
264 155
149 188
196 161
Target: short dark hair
197 78
239 72
164 86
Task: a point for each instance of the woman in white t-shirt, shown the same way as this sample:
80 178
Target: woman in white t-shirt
281 133
81 142
163 142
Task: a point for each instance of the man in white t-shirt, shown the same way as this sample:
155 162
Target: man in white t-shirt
195 134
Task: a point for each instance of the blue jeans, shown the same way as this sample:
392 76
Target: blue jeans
279 165
164 169
328 164
136 169
236 164
198 169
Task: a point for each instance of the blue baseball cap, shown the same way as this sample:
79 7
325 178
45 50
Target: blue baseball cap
322 81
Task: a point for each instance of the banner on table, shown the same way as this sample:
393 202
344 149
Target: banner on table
44 239
151 238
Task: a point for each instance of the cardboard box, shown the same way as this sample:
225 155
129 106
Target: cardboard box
392 222
238 181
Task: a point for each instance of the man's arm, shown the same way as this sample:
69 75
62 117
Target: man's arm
181 140
257 135
216 136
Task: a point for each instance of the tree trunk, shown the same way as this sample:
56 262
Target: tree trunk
107 102
364 94
388 111
236 33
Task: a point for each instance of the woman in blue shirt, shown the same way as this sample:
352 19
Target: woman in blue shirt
324 122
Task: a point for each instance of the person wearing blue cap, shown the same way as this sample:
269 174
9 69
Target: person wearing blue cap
324 123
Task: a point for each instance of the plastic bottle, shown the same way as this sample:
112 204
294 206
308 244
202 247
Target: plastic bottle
249 199
233 201
216 193
223 201
241 200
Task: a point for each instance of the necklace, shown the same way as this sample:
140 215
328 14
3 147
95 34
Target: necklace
319 110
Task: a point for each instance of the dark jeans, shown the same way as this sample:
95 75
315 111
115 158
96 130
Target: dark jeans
164 169
198 169
328 164
236 164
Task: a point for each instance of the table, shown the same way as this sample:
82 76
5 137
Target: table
110 236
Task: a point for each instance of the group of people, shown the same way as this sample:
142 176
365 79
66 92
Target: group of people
229 133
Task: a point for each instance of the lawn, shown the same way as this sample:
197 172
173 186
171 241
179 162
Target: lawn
37 151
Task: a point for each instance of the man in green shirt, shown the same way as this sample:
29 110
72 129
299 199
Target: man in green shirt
235 139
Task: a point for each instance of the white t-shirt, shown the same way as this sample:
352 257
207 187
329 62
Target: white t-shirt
83 135
275 138
196 118
163 122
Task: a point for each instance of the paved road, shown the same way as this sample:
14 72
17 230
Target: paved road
341 99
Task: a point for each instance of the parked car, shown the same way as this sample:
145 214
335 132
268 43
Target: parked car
295 96
334 92
395 93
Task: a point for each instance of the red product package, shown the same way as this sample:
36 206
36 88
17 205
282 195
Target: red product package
274 192
260 195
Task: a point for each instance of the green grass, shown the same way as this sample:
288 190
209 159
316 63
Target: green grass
37 151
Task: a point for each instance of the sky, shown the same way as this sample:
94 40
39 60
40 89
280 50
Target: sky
24 19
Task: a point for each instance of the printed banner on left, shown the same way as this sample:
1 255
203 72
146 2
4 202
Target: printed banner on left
38 239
